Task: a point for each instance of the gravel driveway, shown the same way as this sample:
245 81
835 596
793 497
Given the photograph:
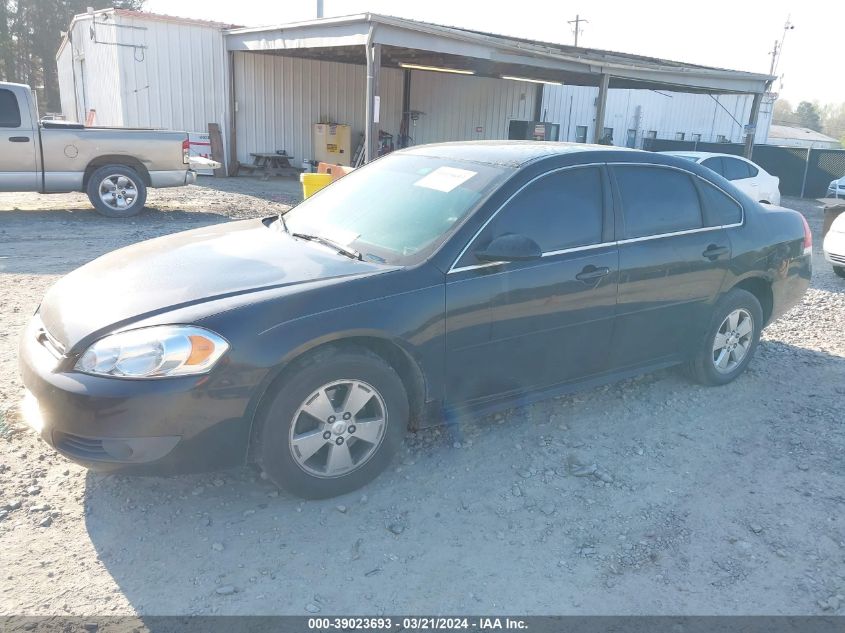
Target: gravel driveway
652 496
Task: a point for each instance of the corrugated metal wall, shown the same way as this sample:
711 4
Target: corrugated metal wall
178 81
666 113
97 77
64 64
279 98
456 106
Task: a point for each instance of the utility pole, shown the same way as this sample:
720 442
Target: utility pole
319 8
774 55
577 22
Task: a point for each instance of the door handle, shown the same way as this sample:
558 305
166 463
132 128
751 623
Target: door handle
592 273
19 139
713 252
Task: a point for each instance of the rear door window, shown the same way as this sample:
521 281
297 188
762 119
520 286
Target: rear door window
719 208
10 114
714 163
657 200
736 169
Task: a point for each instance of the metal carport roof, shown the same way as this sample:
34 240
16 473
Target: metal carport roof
379 40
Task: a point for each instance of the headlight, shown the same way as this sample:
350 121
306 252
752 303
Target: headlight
154 352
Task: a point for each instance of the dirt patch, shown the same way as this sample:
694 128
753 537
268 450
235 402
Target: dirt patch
650 496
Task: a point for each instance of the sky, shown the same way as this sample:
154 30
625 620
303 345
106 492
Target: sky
737 34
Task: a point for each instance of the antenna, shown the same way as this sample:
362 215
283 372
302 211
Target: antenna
577 22
777 51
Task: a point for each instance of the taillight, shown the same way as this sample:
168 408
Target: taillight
186 151
808 237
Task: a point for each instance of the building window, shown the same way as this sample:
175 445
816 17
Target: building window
721 138
679 136
696 138
581 134
607 135
651 134
631 139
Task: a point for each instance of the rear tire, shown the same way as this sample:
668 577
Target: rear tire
731 339
334 423
840 271
116 191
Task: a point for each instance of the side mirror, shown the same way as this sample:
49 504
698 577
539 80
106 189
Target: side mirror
511 247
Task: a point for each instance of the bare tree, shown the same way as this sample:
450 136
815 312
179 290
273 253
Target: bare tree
30 32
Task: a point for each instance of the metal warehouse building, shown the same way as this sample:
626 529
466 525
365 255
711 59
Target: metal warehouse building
266 87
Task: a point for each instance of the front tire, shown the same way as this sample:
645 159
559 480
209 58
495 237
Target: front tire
116 191
334 423
840 271
731 339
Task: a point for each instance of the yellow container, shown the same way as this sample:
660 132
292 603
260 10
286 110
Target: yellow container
312 183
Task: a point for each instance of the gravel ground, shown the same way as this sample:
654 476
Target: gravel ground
652 496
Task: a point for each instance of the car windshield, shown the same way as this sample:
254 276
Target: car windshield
397 209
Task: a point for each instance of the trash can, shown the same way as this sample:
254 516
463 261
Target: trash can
832 210
312 183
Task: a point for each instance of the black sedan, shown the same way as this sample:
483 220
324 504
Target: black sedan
436 282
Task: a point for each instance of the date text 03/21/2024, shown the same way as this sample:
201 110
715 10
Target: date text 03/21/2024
415 623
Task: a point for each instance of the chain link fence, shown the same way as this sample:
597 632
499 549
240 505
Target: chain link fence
802 172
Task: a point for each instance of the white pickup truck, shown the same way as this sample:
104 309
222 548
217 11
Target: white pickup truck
114 166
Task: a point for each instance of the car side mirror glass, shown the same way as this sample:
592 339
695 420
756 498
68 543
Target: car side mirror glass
511 247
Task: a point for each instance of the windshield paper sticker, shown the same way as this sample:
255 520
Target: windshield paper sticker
445 179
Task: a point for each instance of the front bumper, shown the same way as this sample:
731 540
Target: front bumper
156 426
834 248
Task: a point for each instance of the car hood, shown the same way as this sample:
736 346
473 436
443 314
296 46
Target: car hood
183 269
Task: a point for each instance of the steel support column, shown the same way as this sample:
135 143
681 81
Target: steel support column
373 52
601 107
752 125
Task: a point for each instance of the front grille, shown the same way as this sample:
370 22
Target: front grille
839 259
76 446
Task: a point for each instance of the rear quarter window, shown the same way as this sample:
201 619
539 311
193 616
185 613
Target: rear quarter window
10 114
657 200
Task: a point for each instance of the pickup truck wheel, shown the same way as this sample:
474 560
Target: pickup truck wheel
731 339
840 271
117 191
334 423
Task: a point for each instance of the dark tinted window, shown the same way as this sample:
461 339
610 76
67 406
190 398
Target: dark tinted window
561 210
10 115
719 208
656 200
715 164
736 169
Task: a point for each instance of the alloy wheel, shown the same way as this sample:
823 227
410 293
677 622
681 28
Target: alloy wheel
338 428
733 340
118 192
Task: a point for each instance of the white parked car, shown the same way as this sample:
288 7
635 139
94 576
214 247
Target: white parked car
834 245
836 188
749 177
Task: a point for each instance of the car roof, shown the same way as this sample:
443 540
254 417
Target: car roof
509 153
680 152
